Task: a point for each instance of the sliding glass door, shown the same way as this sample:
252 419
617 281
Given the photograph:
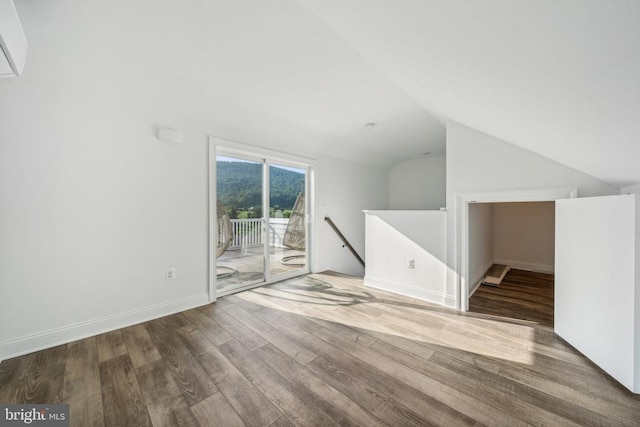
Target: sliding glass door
287 219
240 245
261 221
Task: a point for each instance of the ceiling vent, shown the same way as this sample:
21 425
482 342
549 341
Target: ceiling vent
13 43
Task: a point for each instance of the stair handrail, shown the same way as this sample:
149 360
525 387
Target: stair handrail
344 239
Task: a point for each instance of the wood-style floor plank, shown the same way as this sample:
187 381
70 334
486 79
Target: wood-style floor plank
325 350
140 346
13 373
187 372
444 393
290 347
344 410
277 389
521 295
390 411
165 401
82 390
210 328
237 329
111 345
216 411
282 422
45 379
248 402
122 400
351 377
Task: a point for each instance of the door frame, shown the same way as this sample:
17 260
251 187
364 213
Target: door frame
463 202
268 157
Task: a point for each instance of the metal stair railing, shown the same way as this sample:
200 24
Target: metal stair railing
344 239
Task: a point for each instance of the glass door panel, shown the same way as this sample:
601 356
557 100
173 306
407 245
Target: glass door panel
240 253
287 227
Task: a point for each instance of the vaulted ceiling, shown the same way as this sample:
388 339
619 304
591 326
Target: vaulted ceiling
558 77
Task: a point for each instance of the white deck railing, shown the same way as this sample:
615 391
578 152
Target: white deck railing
248 232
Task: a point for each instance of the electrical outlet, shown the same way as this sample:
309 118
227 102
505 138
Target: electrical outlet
170 274
411 263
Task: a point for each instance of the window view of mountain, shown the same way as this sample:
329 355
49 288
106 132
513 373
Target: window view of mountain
239 186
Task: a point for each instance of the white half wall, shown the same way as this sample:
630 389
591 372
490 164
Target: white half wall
477 162
481 242
418 184
596 291
524 235
394 238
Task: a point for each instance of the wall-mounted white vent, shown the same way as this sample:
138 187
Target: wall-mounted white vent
13 43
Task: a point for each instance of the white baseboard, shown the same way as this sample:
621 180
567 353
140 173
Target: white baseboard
520 265
450 301
478 280
51 338
406 290
475 287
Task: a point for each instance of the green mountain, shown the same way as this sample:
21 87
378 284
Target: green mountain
239 185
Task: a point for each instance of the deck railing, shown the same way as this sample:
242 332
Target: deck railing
248 232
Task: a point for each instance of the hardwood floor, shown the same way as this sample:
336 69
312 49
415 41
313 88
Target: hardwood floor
524 295
322 350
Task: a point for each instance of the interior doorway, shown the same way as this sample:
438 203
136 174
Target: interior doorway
260 227
511 260
471 274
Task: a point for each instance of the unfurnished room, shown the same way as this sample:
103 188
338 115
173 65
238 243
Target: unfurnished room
313 213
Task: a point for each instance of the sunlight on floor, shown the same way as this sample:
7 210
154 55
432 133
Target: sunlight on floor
391 314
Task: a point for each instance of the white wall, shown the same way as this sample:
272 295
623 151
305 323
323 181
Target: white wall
418 184
343 190
524 235
481 242
93 208
477 162
393 237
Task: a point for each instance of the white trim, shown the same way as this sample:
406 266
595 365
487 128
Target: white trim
267 157
540 268
475 287
228 146
310 217
406 290
478 280
420 211
450 301
266 195
213 231
66 334
280 277
462 237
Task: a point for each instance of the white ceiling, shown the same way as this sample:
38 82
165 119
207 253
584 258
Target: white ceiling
558 77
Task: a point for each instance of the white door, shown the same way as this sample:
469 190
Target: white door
595 281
